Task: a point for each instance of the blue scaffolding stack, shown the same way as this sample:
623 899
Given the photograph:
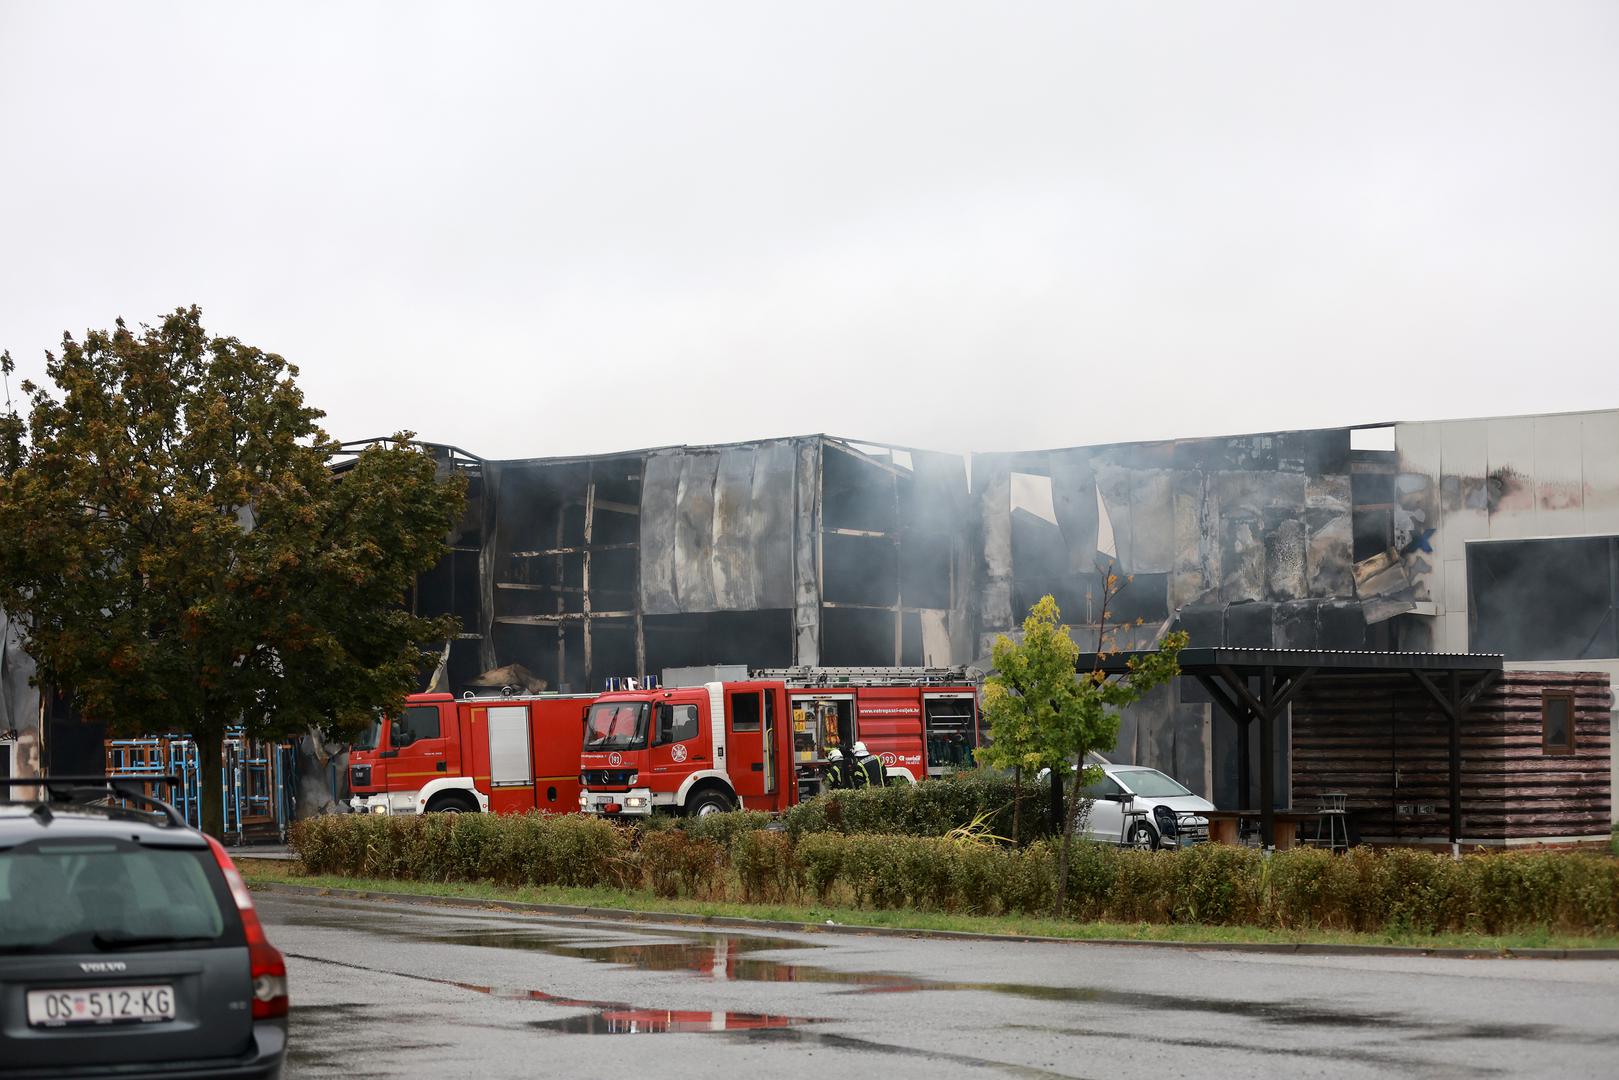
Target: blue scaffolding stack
258 780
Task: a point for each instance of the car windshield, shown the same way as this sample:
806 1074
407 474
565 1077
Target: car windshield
367 739
77 896
616 725
1150 783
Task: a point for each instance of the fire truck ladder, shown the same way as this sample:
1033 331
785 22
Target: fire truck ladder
806 676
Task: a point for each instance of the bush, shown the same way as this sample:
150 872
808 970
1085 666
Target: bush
674 862
515 849
821 856
932 808
766 866
723 829
1398 890
1216 884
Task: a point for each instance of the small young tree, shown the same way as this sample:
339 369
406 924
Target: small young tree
1025 697
181 557
1050 715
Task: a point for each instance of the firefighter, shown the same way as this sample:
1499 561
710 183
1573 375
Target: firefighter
837 772
868 767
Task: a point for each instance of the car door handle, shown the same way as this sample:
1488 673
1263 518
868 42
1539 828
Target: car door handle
443 766
758 766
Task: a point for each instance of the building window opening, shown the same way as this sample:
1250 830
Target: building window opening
1557 721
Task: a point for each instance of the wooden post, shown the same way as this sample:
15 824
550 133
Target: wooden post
1456 710
1267 760
1244 779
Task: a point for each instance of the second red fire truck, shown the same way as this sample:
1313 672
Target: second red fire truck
762 743
757 743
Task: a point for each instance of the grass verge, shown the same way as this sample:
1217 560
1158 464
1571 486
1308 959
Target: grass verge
266 871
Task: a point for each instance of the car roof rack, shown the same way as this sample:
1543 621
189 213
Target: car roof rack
69 789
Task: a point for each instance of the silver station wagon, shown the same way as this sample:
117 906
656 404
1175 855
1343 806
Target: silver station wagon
129 945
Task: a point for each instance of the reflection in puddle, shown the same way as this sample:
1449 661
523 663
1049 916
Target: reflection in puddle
613 1018
729 957
654 1021
723 957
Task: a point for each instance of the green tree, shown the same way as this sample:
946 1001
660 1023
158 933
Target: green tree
1044 714
182 558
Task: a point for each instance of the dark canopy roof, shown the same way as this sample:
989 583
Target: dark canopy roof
1283 661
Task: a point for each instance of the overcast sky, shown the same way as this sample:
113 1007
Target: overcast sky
538 229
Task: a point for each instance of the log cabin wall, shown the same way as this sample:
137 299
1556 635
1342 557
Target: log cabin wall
1383 742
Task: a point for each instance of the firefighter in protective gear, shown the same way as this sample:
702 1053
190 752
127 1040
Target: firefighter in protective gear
837 771
868 767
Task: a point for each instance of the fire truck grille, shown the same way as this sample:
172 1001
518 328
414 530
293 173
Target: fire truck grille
360 776
592 778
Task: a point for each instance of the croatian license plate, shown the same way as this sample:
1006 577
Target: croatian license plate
102 1005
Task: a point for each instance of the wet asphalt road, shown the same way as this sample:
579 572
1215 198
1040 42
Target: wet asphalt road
383 990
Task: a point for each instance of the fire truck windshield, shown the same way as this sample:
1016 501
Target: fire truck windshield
616 725
367 739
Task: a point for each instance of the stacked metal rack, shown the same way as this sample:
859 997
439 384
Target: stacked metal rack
258 780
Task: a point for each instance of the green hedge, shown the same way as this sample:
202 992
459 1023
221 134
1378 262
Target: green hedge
731 857
510 849
933 808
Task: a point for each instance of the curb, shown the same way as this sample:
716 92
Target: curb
738 922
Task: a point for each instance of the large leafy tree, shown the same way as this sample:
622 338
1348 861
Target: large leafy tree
182 557
1045 714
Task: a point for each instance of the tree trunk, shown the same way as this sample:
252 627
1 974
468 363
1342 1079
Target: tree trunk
1054 805
210 787
1017 804
1070 813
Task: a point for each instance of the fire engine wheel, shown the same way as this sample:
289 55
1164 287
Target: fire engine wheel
452 803
708 802
1143 837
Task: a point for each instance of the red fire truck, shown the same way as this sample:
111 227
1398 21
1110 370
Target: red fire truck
502 754
762 743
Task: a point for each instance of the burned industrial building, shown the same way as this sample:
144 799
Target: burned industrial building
1456 536
824 550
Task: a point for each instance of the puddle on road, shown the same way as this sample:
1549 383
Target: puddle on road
728 957
604 1017
723 957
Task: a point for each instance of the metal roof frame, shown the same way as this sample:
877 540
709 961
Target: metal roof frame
1452 680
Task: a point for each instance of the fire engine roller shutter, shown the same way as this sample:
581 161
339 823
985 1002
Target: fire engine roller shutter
509 762
716 720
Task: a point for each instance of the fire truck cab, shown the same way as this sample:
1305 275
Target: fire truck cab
699 749
762 743
502 754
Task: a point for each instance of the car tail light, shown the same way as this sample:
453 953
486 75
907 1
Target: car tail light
265 962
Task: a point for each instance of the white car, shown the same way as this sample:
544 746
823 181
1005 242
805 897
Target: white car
1161 811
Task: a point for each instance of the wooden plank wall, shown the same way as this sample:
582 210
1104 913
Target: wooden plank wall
1382 741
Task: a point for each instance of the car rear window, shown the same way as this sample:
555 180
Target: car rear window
85 896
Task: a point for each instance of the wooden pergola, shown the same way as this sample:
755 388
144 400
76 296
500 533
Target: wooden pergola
1453 680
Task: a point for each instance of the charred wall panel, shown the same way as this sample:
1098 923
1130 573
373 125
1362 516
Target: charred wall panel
730 514
694 531
856 637
755 638
806 553
733 563
1555 599
774 506
659 498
